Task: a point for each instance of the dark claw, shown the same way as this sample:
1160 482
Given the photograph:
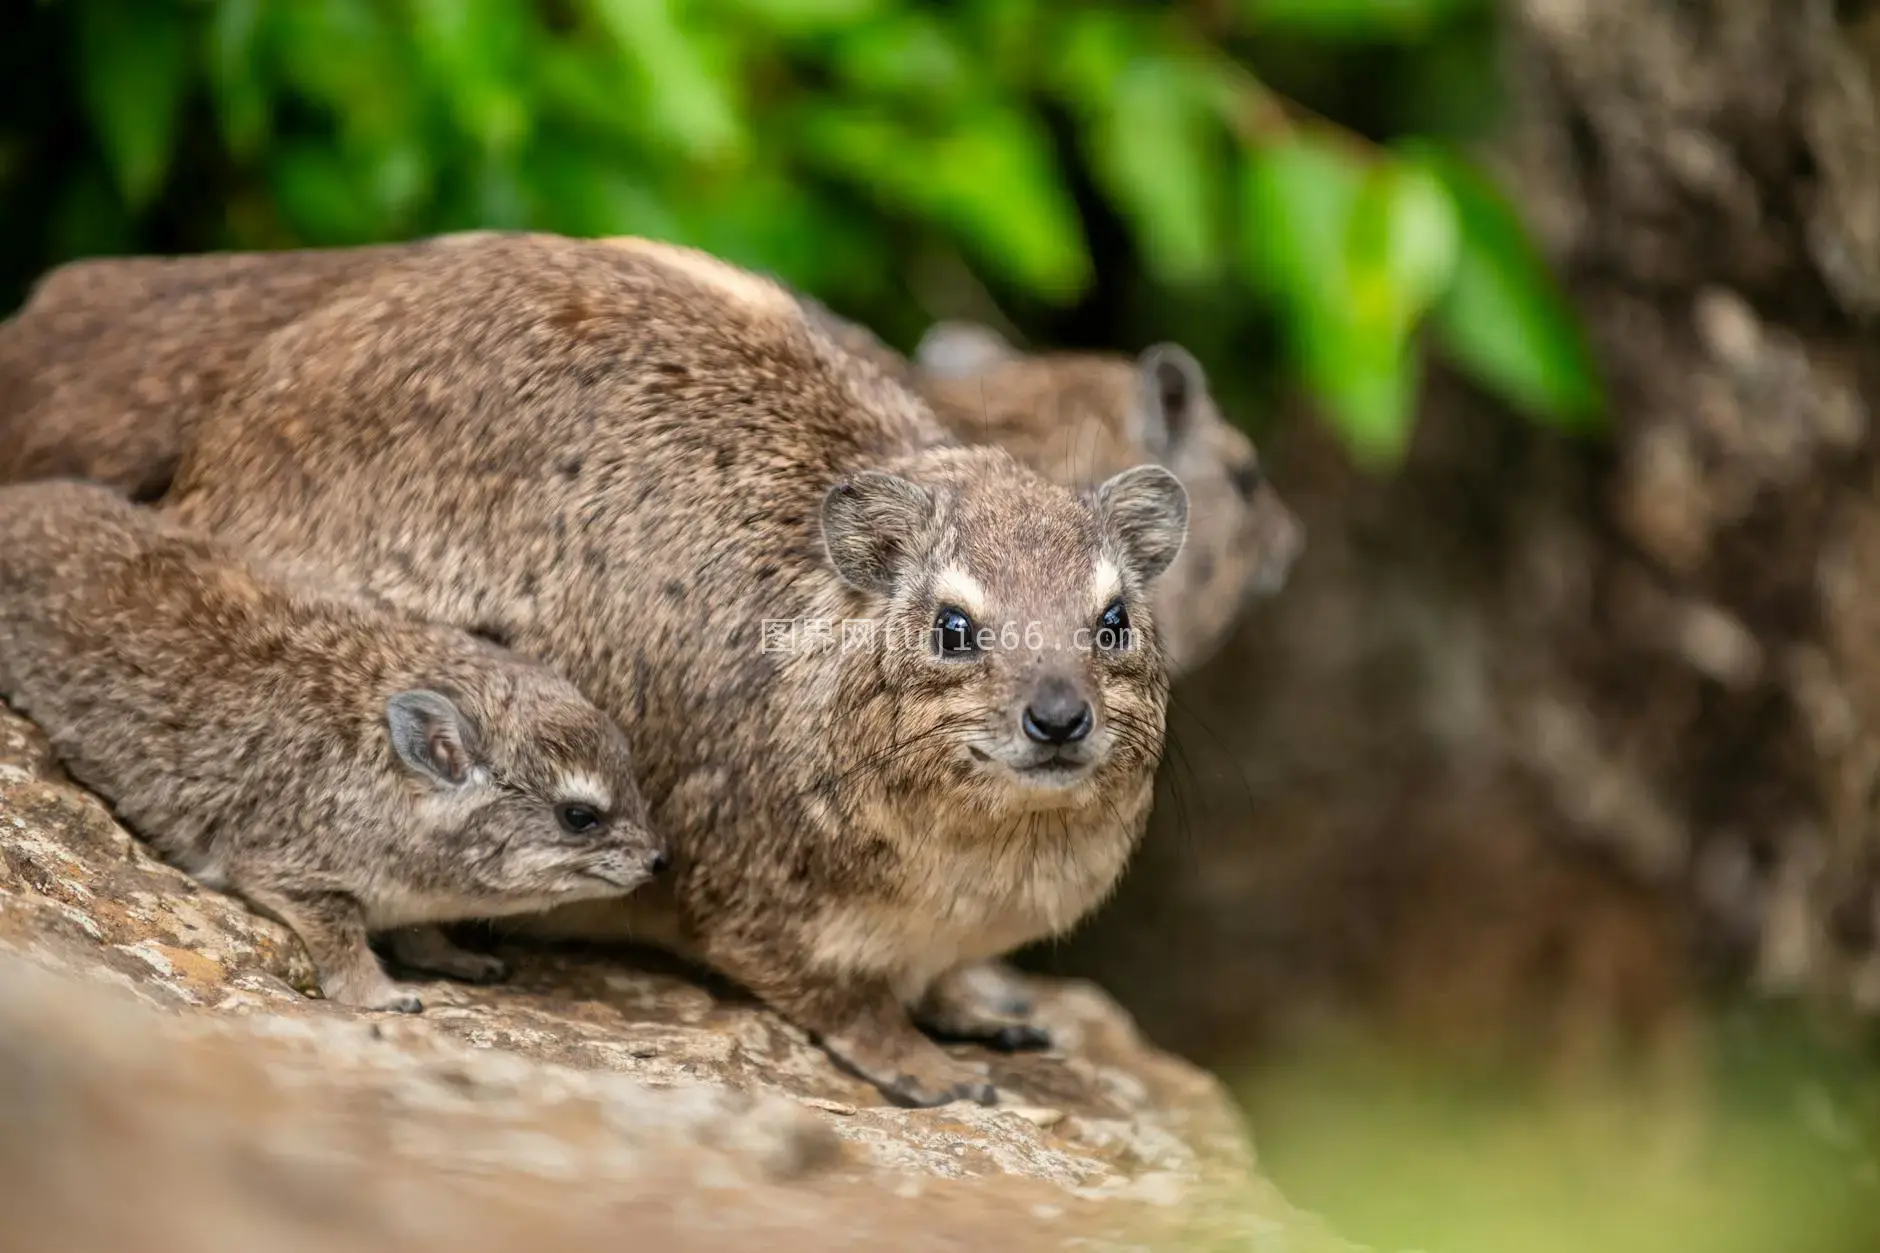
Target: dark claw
1020 1038
405 1005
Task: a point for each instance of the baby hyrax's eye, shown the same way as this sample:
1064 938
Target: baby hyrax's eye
953 633
1113 628
1248 478
578 819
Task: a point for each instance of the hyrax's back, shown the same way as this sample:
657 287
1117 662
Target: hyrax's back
173 681
609 454
106 367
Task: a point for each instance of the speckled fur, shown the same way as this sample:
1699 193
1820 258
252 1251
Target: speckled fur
110 361
105 370
240 725
614 456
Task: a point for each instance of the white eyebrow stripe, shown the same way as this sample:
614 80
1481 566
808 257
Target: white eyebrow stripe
955 586
583 787
1106 583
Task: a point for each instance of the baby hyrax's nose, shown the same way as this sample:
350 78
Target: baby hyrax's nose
657 863
1057 714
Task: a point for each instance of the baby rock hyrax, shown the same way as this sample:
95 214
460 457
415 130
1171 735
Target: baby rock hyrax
343 770
633 462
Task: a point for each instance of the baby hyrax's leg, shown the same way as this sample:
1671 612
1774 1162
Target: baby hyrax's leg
429 949
981 1001
333 927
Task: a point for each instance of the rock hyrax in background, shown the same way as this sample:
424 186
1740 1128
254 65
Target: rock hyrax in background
342 770
633 461
1079 417
107 367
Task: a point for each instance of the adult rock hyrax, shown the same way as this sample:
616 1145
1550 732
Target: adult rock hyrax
106 369
343 770
632 461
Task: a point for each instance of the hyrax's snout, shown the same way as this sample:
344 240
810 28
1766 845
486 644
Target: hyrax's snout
1057 713
628 861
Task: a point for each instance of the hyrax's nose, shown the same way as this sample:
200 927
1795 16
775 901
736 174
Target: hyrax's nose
1057 714
658 862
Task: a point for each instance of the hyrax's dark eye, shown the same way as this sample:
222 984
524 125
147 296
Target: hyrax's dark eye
953 633
1113 628
1248 476
577 819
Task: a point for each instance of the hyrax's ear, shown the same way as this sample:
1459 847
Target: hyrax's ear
1171 387
1147 509
870 524
431 735
952 350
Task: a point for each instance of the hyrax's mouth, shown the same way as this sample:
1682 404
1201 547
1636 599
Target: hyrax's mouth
1046 768
622 874
623 880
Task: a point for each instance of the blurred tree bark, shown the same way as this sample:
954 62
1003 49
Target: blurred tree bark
1545 733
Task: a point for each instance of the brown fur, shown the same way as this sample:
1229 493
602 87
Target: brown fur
251 732
620 458
111 362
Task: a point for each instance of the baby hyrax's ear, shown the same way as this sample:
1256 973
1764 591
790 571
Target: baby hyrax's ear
1147 510
871 524
431 736
1170 388
952 350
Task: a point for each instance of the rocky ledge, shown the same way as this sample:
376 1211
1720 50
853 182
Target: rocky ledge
165 1084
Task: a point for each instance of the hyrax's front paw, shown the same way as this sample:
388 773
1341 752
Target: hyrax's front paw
909 1069
939 1085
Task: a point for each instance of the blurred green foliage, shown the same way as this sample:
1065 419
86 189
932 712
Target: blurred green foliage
902 160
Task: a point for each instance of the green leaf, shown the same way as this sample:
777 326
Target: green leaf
1505 319
322 197
1366 381
1300 196
1157 152
579 191
807 17
234 57
135 67
470 51
1401 245
905 54
1353 252
1090 55
689 96
989 177
347 56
